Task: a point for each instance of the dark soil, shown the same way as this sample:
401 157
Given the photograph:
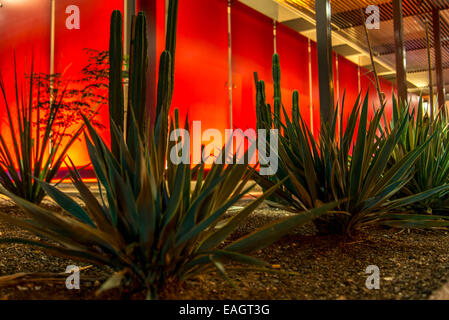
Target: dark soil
412 265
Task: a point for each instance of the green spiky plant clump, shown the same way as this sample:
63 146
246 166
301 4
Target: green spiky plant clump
31 147
148 225
431 170
352 167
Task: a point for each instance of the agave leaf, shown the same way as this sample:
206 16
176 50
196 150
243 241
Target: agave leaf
201 226
217 237
357 157
276 230
67 203
402 202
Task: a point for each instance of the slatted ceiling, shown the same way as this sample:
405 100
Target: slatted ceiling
416 59
346 13
415 37
346 17
338 5
445 15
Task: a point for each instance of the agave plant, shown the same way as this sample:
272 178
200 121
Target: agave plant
31 147
148 225
352 167
432 167
150 228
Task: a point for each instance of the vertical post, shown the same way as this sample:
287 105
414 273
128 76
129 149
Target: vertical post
309 45
325 65
339 102
52 41
149 8
438 59
52 56
429 65
230 64
401 77
129 9
275 36
359 84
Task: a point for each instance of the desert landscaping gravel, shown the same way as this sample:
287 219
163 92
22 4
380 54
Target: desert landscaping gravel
413 264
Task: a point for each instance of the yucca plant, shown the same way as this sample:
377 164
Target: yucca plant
352 167
431 170
148 225
31 148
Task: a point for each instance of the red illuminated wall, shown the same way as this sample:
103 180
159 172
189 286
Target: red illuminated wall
201 69
315 89
251 52
293 53
25 30
70 54
201 75
348 85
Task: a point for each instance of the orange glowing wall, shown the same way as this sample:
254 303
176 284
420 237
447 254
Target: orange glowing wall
251 52
348 86
294 58
70 54
25 34
201 71
201 75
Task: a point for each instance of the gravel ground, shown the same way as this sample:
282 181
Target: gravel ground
412 264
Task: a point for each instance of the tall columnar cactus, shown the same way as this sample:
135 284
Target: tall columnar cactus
277 91
170 48
166 82
116 100
266 118
138 68
137 120
295 106
271 119
263 110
